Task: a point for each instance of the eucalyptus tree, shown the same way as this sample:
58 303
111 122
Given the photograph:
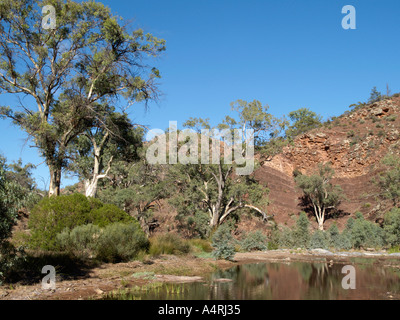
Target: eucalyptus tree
213 188
302 120
87 59
320 193
266 128
112 138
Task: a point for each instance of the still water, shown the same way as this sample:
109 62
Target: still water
280 281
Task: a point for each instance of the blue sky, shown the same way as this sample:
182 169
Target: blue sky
288 54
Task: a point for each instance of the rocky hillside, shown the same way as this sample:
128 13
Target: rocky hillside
354 144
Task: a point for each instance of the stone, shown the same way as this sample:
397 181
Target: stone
99 291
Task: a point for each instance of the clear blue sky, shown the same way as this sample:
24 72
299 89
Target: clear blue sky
286 53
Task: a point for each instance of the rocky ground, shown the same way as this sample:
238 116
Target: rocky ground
110 277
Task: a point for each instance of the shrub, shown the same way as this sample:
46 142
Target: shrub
365 233
203 245
114 243
337 240
392 227
121 242
285 238
254 241
302 232
53 215
223 243
82 240
334 236
107 214
319 240
391 118
198 224
169 243
351 134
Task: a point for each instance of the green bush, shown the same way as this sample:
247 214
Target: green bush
169 243
364 233
254 241
114 243
337 240
199 224
121 242
301 235
82 240
392 227
285 238
319 240
53 215
223 243
107 214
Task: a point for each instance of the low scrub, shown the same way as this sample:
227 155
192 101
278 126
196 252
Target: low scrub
53 215
114 243
254 241
169 243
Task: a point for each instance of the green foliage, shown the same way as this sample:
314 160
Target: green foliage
357 106
135 187
364 234
203 245
392 227
253 115
82 240
319 240
337 240
93 152
198 225
254 241
389 180
108 213
121 242
301 234
16 192
169 243
212 191
114 243
319 191
89 61
303 120
223 243
285 238
375 96
55 214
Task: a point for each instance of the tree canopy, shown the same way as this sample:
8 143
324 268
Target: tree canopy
320 192
90 59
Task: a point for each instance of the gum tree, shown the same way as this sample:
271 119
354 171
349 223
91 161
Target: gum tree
89 59
112 138
214 189
320 192
302 120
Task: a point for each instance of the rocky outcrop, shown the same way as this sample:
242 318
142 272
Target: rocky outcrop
354 144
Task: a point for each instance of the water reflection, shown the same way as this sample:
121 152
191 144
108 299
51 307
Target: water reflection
281 281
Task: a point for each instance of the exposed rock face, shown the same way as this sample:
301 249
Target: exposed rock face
354 144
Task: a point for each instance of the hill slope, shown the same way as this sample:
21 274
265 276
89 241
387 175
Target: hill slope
354 144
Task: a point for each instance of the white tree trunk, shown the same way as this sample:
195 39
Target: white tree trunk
91 187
